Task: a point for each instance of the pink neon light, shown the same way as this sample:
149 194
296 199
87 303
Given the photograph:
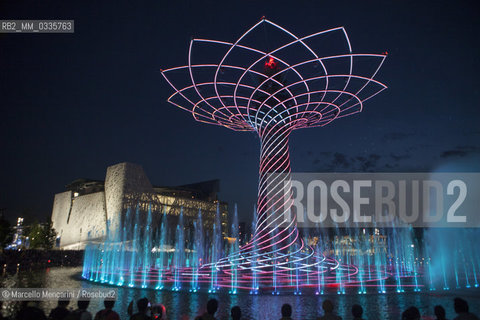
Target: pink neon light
282 97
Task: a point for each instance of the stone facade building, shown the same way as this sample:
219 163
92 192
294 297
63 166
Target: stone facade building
83 212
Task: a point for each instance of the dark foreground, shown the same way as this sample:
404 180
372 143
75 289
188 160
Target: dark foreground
184 305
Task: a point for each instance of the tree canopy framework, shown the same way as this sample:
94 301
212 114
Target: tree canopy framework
302 82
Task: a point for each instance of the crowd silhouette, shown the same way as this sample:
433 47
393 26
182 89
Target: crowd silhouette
147 311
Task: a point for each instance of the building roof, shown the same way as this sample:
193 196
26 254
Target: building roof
205 190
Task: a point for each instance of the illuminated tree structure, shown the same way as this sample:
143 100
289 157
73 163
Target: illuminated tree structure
250 85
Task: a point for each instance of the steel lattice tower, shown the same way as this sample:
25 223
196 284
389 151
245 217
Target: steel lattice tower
273 92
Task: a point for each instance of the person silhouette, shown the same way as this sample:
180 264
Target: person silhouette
107 313
81 313
30 311
461 308
357 312
439 312
60 312
142 306
212 307
286 312
327 307
411 313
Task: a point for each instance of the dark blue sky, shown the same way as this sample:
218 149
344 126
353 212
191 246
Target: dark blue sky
72 104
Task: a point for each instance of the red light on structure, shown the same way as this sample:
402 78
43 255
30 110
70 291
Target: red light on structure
271 63
273 108
48 261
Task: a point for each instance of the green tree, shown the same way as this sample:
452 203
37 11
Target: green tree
50 235
42 236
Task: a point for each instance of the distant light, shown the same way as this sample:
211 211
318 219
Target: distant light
75 194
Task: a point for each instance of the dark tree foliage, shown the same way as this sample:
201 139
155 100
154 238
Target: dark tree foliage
42 236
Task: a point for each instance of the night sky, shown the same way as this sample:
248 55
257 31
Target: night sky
73 104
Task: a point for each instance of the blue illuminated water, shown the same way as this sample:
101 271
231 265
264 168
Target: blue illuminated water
378 260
